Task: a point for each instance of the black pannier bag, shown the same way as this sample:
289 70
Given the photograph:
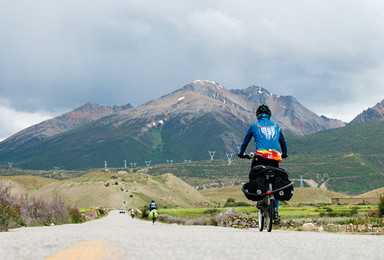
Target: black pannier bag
255 189
257 172
256 185
281 179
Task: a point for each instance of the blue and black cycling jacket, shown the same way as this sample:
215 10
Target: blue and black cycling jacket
152 206
266 134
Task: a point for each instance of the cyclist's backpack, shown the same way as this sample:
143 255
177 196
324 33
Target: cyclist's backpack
281 180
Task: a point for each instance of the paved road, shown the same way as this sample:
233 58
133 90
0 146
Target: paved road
117 236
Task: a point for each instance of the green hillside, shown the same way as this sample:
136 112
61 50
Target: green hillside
365 139
90 145
348 160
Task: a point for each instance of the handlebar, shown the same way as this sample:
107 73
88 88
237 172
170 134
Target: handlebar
251 155
248 156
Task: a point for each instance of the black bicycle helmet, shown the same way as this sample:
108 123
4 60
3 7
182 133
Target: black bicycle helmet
263 109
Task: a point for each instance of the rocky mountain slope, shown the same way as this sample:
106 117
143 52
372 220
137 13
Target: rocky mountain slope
184 124
374 113
68 121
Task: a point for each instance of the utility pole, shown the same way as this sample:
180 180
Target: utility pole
211 154
148 163
229 157
133 165
301 181
125 163
105 164
10 164
169 161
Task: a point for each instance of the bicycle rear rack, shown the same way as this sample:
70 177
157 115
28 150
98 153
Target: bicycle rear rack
261 195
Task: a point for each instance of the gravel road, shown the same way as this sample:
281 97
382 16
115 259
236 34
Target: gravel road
117 236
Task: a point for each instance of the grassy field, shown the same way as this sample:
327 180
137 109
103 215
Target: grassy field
301 195
285 211
28 183
326 213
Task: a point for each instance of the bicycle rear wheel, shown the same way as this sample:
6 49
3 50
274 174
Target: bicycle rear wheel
269 211
261 220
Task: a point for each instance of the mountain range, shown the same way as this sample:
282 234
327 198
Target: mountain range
374 113
66 122
201 116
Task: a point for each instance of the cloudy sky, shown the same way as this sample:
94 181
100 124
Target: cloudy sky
58 55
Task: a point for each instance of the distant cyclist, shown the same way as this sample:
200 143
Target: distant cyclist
268 139
153 211
152 205
132 213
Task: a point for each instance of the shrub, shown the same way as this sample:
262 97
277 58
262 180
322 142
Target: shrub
7 214
144 212
230 200
212 211
380 207
354 211
171 219
26 211
202 221
75 214
232 203
9 209
372 213
101 212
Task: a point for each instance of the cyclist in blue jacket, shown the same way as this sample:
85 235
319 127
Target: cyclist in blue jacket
152 205
268 139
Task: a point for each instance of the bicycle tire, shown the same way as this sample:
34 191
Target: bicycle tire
269 214
261 220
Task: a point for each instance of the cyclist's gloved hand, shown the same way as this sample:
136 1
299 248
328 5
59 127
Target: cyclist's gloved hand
284 155
241 155
247 156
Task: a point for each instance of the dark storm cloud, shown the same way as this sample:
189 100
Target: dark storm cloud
56 56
